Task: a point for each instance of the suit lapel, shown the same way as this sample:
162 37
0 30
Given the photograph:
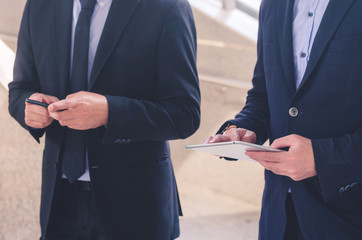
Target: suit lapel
285 9
118 17
63 28
333 16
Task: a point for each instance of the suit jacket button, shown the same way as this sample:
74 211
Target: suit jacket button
293 112
354 184
117 140
348 187
341 190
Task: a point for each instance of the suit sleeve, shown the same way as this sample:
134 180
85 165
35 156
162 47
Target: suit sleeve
174 112
25 81
255 114
339 164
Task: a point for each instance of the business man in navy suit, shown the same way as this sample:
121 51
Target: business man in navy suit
120 77
306 96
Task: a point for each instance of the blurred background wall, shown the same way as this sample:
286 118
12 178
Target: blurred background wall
221 199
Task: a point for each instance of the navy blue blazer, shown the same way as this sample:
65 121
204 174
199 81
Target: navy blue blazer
146 67
328 206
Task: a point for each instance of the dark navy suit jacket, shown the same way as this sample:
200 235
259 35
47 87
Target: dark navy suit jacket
146 67
329 100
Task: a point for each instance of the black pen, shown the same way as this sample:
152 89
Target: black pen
31 101
37 103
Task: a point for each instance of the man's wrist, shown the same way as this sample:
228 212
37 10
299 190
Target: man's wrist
105 112
228 128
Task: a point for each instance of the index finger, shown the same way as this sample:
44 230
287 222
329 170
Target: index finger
219 138
36 109
207 140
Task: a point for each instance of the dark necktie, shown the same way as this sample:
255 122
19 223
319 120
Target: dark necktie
73 165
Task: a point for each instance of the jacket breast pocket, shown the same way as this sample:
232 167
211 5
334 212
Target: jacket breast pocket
129 68
133 54
347 45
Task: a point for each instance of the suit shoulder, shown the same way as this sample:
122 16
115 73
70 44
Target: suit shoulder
41 2
267 7
40 5
166 5
267 3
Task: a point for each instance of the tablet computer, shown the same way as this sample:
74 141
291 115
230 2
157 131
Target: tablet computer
233 150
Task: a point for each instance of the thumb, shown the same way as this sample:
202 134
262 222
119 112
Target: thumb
50 99
62 105
282 142
37 97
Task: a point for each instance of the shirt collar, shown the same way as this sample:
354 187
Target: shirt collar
103 2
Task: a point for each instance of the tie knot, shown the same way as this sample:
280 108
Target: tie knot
88 4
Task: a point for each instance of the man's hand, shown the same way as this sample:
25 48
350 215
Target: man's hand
298 163
82 111
234 134
38 116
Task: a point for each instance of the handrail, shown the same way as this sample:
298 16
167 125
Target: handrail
250 7
7 57
229 4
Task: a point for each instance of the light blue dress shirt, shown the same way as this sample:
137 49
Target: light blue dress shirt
98 20
307 16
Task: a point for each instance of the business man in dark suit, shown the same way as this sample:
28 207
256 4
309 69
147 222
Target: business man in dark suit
306 96
120 77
